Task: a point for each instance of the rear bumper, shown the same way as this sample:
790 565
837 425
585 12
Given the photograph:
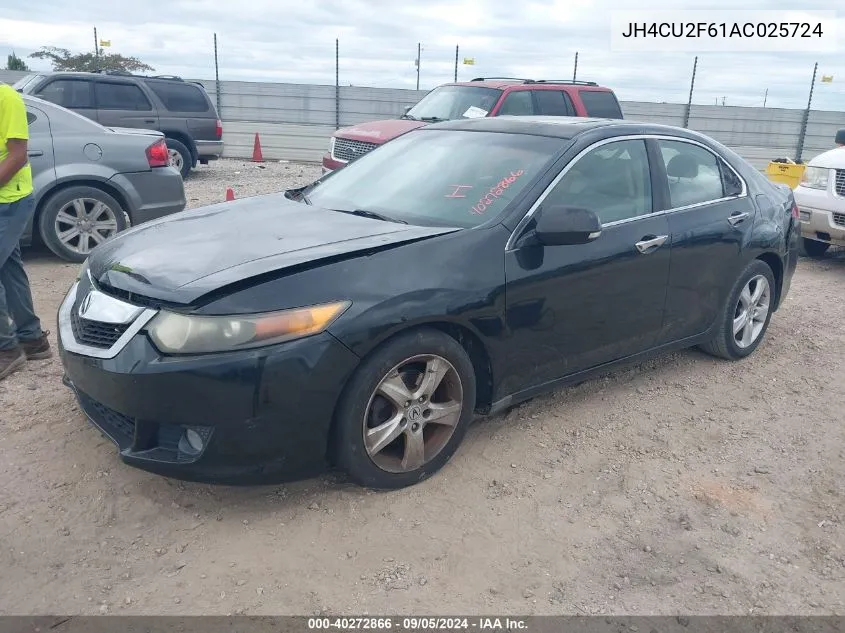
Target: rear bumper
209 150
152 194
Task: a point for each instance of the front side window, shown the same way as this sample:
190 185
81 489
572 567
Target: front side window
447 103
518 103
117 96
439 177
68 93
693 173
611 180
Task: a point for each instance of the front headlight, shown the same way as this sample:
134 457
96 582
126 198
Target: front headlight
331 146
815 177
175 333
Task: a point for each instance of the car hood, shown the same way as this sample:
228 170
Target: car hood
180 258
379 131
832 159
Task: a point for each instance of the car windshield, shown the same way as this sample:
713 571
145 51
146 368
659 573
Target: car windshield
455 102
438 177
21 83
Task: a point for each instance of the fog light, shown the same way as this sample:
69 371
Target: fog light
191 442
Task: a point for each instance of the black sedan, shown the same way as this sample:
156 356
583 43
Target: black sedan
364 320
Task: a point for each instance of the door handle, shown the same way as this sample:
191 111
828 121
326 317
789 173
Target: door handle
35 152
736 217
149 120
651 243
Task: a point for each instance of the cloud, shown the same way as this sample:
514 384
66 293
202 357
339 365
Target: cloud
267 40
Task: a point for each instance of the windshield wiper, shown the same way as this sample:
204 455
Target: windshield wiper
431 119
364 213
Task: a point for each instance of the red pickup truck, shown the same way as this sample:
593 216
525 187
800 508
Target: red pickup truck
481 97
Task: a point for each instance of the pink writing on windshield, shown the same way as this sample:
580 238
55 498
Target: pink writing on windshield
457 192
496 192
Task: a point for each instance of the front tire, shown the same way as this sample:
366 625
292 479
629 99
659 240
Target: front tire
746 315
76 219
814 248
406 410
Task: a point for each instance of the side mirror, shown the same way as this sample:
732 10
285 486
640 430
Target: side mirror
559 225
407 109
840 137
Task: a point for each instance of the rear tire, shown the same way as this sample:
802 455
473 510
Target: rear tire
63 218
814 248
180 156
745 317
419 390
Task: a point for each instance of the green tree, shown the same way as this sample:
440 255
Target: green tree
13 62
63 59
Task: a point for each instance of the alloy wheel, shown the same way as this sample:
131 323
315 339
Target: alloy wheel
176 159
83 223
413 413
751 312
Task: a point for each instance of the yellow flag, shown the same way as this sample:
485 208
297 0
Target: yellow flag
469 61
826 79
105 43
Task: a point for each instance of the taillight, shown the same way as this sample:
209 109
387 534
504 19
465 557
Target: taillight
157 155
219 130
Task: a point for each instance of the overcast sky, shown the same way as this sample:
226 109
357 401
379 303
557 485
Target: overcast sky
283 40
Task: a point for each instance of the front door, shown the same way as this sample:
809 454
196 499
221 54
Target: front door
571 308
710 220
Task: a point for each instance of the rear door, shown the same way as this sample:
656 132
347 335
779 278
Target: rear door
122 103
40 152
710 220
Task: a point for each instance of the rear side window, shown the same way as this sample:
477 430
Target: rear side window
601 104
554 103
68 93
116 96
180 97
518 102
693 172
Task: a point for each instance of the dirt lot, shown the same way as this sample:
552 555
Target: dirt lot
686 484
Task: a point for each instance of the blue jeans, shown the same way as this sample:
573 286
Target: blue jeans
17 316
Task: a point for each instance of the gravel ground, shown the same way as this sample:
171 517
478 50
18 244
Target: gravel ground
686 484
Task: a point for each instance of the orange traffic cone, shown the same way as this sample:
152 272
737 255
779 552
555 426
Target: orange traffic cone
230 194
257 156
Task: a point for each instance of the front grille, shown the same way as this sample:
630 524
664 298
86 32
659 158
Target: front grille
95 333
840 182
119 427
347 149
839 219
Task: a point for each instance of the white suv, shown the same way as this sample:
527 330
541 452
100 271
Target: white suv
821 200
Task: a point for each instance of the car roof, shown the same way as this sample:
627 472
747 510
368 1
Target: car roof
501 83
564 127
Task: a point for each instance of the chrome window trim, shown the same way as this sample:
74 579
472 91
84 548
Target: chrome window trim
509 246
69 341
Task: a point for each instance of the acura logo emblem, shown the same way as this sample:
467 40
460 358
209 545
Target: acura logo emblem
83 307
414 413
